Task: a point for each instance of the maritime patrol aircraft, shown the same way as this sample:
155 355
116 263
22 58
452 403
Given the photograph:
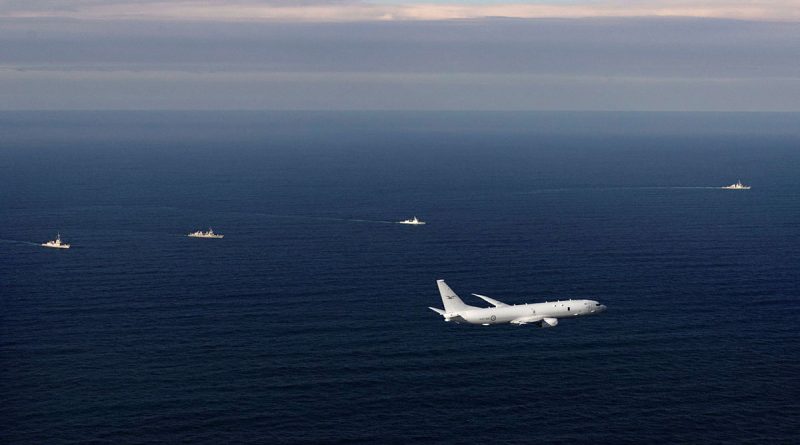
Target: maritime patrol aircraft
544 315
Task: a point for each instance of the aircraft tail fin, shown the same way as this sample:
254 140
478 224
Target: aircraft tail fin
449 298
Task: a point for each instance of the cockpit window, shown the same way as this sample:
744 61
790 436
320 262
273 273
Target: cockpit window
597 304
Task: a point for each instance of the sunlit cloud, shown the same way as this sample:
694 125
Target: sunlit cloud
354 10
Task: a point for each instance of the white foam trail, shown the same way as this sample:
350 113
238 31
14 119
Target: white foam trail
371 221
571 189
678 187
14 241
322 218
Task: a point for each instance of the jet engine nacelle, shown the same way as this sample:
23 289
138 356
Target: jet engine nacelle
548 322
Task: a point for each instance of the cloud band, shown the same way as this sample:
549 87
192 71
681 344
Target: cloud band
343 11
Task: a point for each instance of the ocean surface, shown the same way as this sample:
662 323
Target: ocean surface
309 321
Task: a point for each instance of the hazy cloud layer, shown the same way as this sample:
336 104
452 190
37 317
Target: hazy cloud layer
365 10
492 64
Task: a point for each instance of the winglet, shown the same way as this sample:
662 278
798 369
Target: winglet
491 301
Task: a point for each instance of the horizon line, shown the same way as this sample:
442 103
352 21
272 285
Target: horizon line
384 110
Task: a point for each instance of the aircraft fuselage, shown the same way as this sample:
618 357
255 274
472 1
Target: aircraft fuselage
508 314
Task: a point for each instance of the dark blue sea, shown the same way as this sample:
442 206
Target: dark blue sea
309 321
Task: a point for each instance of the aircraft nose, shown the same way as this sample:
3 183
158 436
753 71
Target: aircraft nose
602 308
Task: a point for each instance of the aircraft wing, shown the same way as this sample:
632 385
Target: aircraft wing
491 301
525 320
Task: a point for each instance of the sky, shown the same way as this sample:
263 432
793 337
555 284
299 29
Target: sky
654 55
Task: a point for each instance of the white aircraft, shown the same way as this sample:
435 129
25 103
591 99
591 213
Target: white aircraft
544 315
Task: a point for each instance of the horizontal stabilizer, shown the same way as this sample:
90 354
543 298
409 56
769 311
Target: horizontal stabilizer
438 311
491 301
